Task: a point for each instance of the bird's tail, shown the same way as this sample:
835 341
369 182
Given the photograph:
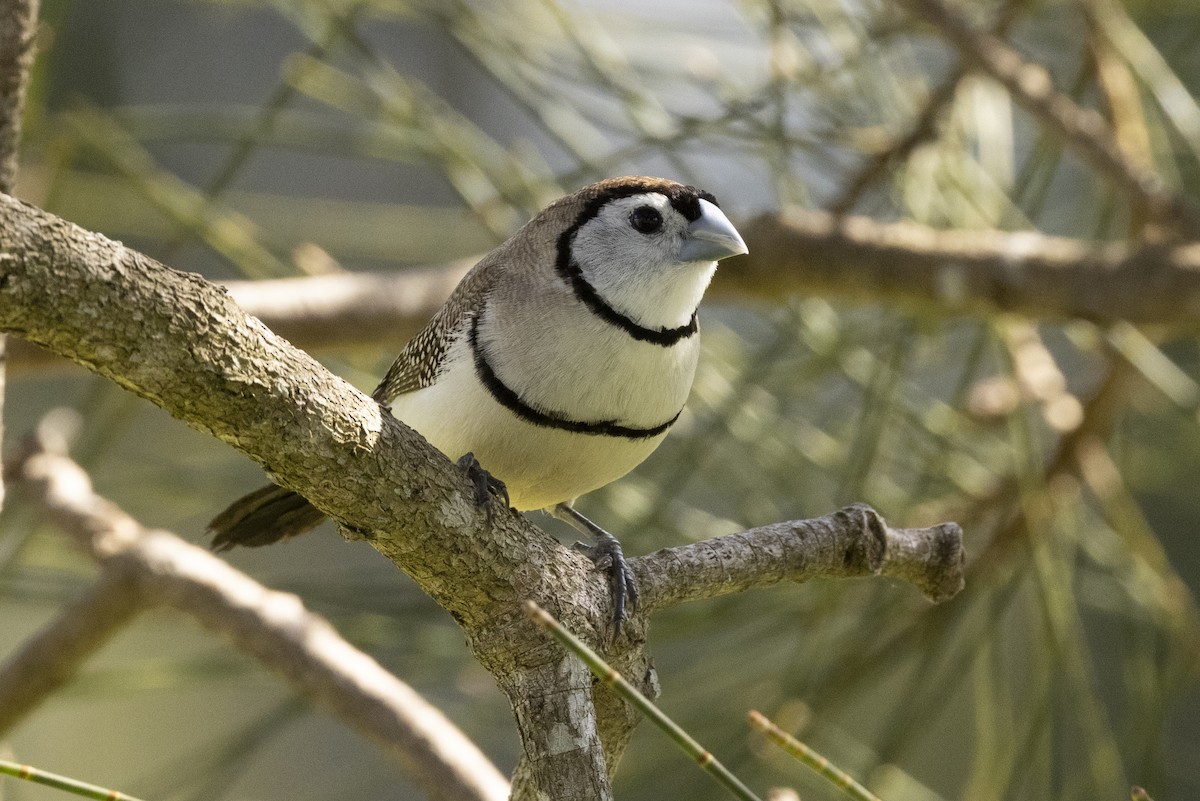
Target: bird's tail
264 516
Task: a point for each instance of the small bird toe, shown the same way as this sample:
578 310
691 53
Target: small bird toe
488 488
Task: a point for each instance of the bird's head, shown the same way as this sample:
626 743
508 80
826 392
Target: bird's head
648 246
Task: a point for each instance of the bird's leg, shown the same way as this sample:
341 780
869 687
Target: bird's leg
487 486
607 555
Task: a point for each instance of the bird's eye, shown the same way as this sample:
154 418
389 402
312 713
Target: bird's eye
646 219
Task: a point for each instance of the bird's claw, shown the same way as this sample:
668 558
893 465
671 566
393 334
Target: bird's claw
487 487
608 557
603 562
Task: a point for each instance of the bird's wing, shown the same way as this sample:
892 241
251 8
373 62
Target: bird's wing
421 360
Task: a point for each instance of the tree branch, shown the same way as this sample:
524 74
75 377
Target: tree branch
557 720
852 542
53 656
18 33
183 343
142 567
969 271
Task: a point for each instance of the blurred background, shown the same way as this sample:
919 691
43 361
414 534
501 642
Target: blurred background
253 139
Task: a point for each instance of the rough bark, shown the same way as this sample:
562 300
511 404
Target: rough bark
855 541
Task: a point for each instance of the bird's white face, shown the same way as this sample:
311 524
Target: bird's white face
650 262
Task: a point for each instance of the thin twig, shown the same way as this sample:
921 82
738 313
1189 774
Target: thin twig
74 786
601 670
840 779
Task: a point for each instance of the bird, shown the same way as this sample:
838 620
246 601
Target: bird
557 365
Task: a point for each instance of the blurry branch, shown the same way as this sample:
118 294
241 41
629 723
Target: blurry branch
350 308
143 567
1083 130
801 251
965 271
53 656
18 34
922 129
1037 377
182 343
1122 96
225 231
328 311
1100 413
1111 22
1081 455
854 541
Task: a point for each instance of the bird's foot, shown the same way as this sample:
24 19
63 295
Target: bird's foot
488 488
606 555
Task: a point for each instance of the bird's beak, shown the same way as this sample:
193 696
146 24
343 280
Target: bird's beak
711 237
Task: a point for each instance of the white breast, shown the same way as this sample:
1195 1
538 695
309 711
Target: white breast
559 357
540 466
557 354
